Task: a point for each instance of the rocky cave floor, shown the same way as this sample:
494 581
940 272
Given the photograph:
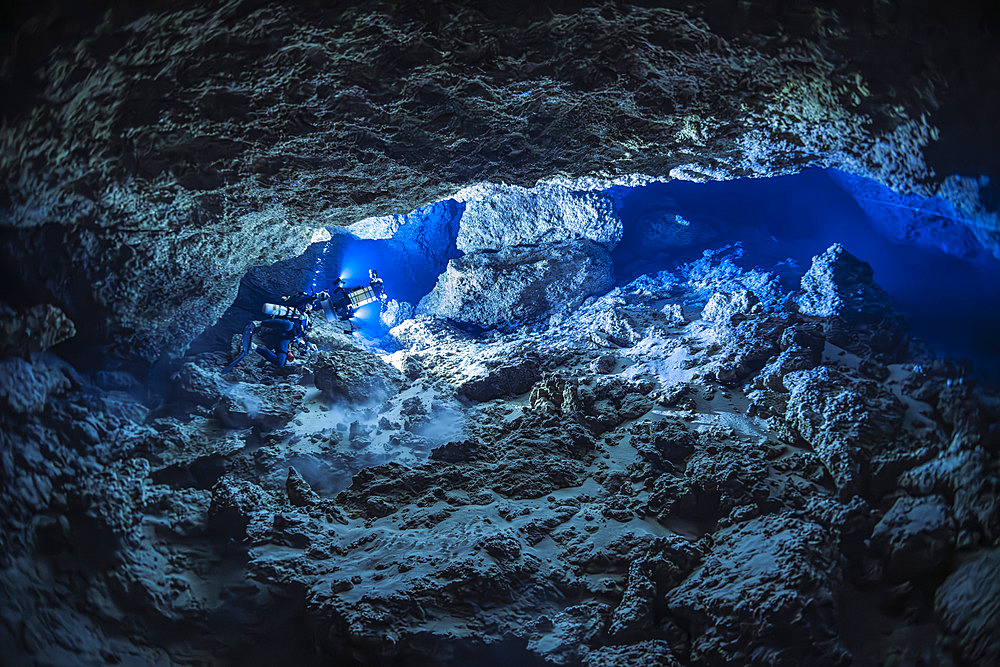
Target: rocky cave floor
676 473
689 468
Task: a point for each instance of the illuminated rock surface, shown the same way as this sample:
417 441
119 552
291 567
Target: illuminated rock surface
150 159
581 493
520 284
616 413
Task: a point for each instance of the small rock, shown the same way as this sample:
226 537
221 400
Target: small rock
299 492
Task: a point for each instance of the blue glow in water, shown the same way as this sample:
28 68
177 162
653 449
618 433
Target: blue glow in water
415 250
921 251
409 261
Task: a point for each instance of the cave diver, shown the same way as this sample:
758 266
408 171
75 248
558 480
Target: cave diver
343 302
289 321
288 324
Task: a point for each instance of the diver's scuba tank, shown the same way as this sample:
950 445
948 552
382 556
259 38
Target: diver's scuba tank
370 293
342 302
277 310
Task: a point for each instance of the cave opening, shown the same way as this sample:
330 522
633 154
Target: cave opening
923 253
669 369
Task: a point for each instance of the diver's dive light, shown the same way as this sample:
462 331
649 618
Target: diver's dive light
343 302
362 296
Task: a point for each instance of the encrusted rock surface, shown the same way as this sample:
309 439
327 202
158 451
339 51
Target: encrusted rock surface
35 329
150 157
589 492
918 534
354 374
519 284
539 465
969 605
767 592
501 216
838 284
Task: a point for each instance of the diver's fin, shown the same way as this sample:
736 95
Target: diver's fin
247 336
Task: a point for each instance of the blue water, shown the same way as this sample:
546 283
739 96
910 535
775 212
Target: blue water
946 285
922 253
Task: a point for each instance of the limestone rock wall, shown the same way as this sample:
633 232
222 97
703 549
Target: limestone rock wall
150 156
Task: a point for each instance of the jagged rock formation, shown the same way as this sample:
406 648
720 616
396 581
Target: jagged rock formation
967 604
694 466
150 157
497 217
769 588
686 471
519 284
33 330
838 284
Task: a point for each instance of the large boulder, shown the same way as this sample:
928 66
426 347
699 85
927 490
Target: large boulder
193 383
510 378
969 480
239 508
504 215
357 375
916 534
519 284
968 603
728 308
33 330
838 284
767 593
844 419
25 387
268 407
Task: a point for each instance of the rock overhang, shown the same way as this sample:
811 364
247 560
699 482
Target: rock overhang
170 177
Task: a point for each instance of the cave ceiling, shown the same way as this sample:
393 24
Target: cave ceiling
151 155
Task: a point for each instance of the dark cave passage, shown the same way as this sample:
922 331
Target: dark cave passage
409 252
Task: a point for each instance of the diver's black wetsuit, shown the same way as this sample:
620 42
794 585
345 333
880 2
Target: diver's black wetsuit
284 331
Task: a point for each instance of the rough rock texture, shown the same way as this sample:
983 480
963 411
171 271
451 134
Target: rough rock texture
638 479
519 284
844 419
502 377
969 605
767 593
838 284
33 330
150 157
585 493
730 308
965 477
25 386
358 376
917 534
501 216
